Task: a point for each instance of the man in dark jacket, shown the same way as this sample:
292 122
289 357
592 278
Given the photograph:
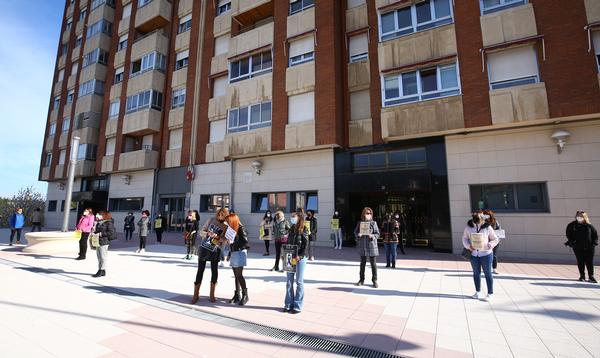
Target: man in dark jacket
310 217
583 238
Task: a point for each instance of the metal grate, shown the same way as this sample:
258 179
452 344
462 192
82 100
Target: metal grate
319 344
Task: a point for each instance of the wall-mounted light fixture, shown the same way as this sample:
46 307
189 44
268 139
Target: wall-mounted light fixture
126 179
257 166
560 136
60 186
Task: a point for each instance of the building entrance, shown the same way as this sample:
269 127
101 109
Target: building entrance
173 209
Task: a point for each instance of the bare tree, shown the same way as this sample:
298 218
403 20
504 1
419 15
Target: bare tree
26 198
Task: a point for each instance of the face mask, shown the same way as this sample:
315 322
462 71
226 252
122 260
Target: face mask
86 213
368 217
336 213
99 217
579 219
268 215
397 216
294 220
485 217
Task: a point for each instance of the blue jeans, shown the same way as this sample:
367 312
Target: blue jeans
295 301
485 263
390 253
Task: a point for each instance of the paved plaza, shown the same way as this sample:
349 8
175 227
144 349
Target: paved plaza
52 307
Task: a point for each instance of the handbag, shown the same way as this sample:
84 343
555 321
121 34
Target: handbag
95 240
466 254
78 234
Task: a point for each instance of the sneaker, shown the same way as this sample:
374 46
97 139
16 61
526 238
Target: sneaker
488 298
582 279
18 242
221 264
138 251
375 285
495 271
295 311
286 309
266 254
593 280
143 251
477 296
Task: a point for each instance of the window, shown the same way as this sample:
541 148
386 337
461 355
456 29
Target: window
62 156
212 203
420 85
69 24
516 197
512 67
122 42
48 161
61 74
95 56
223 7
126 11
113 109
269 201
100 26
94 184
185 24
302 51
78 41
73 205
143 100
219 87
413 158
74 68
417 17
217 131
360 105
125 204
119 74
248 118
175 138
306 200
143 3
87 151
97 3
148 62
66 124
354 3
110 146
221 45
300 5
82 14
56 102
52 129
89 87
70 96
64 49
489 6
301 107
596 41
52 206
252 66
178 99
358 47
182 59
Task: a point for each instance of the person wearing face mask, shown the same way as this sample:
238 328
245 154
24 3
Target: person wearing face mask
266 229
490 218
397 227
190 232
312 237
158 227
280 234
16 221
480 239
366 241
143 225
129 227
238 257
390 241
85 225
336 230
583 238
297 236
105 228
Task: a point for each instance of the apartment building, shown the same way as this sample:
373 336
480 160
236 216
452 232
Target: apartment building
432 108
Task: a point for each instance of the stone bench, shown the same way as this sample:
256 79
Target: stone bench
51 242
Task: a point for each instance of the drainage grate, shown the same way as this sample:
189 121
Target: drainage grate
319 344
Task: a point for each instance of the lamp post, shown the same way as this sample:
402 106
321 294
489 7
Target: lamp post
70 179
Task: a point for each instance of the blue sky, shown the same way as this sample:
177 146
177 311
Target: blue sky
29 35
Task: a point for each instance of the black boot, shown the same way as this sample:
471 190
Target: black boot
102 273
245 298
360 283
593 280
236 298
97 274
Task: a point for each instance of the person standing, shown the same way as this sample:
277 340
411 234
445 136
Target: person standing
105 228
36 220
312 237
190 232
158 227
390 241
398 227
238 256
85 225
210 229
583 238
144 225
280 234
266 230
367 245
16 222
490 218
129 227
482 253
294 299
336 230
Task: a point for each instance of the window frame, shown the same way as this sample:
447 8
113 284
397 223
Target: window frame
123 43
388 165
183 62
152 61
514 189
66 124
153 99
415 26
186 25
48 160
52 206
303 7
223 8
504 4
178 97
207 202
248 126
52 129
250 73
93 86
514 82
112 202
116 103
257 199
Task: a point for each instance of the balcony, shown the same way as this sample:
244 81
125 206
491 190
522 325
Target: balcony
592 10
115 92
85 168
357 18
124 25
300 79
142 122
111 128
152 79
120 58
89 103
70 10
176 118
49 144
101 12
155 41
250 40
255 141
63 140
250 91
300 135
61 61
57 89
154 15
219 64
222 24
71 81
182 41
418 47
96 71
360 132
107 164
87 135
359 75
138 160
215 152
184 7
101 40
173 158
45 173
217 107
508 25
179 77
301 22
520 103
65 36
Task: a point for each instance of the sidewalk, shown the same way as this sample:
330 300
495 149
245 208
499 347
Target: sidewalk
420 309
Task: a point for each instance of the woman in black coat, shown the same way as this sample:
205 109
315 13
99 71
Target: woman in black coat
105 228
583 238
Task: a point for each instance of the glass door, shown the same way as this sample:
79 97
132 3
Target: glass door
173 210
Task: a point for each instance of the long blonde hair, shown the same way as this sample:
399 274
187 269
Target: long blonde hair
364 212
584 215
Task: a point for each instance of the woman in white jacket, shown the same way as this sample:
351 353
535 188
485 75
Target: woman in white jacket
480 239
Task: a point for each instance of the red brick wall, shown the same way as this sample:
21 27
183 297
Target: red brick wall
474 82
569 71
375 89
280 60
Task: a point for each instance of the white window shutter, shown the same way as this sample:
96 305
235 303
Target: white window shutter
175 138
358 44
360 105
355 3
302 46
301 108
110 146
185 19
217 131
119 70
183 54
221 45
512 64
126 11
220 86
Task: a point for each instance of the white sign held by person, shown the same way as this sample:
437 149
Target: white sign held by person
479 241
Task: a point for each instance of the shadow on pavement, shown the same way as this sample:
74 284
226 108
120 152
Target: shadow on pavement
569 285
380 292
